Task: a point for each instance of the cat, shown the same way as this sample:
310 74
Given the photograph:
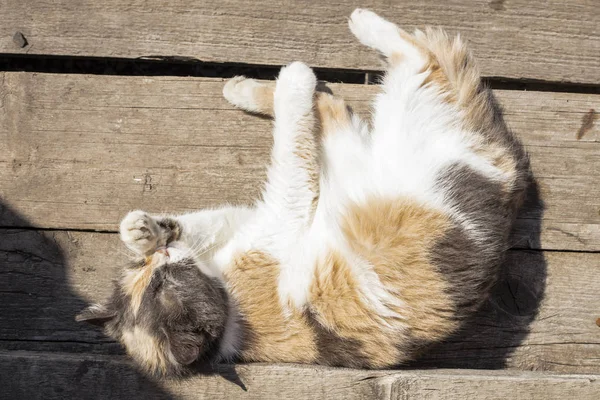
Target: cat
370 242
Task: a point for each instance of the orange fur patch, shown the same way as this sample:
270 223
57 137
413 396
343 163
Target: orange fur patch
337 304
397 57
306 150
396 237
134 283
451 65
438 78
273 333
263 97
333 113
145 348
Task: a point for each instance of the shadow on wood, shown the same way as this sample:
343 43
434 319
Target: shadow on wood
498 329
33 273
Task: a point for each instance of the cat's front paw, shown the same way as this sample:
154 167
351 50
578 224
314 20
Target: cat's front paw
295 90
140 232
297 77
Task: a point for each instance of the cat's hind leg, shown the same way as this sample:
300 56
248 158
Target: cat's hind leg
412 120
408 67
257 97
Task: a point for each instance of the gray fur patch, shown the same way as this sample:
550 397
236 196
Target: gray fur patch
170 228
334 350
493 127
470 261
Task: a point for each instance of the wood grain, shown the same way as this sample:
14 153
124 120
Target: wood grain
79 151
541 317
535 39
26 375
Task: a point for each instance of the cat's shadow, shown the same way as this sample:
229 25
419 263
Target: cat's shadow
48 354
489 339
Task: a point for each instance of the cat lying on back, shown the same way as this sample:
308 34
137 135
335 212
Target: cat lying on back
369 244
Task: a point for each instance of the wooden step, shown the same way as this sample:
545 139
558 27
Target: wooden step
79 151
31 375
535 39
542 317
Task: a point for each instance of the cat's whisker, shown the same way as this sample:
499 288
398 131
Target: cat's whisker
200 242
128 253
196 245
213 246
206 250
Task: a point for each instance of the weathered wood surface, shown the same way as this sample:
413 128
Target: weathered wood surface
542 317
538 39
30 375
79 151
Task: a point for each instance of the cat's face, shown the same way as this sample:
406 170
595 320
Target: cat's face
165 311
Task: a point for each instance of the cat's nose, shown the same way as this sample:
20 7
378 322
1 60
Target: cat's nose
163 251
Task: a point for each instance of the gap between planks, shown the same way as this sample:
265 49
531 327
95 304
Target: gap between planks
199 69
521 39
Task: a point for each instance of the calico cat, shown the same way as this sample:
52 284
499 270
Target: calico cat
370 243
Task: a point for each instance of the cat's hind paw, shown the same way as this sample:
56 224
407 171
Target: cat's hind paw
374 31
386 37
249 95
140 232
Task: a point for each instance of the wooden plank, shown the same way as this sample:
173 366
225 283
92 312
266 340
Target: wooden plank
79 151
25 375
454 384
542 317
536 39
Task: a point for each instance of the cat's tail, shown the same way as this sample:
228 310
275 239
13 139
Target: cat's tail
481 111
455 61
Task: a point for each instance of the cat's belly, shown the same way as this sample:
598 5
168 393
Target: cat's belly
369 288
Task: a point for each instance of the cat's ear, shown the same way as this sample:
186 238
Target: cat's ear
185 347
97 314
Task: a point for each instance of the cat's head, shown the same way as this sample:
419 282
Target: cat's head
165 311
